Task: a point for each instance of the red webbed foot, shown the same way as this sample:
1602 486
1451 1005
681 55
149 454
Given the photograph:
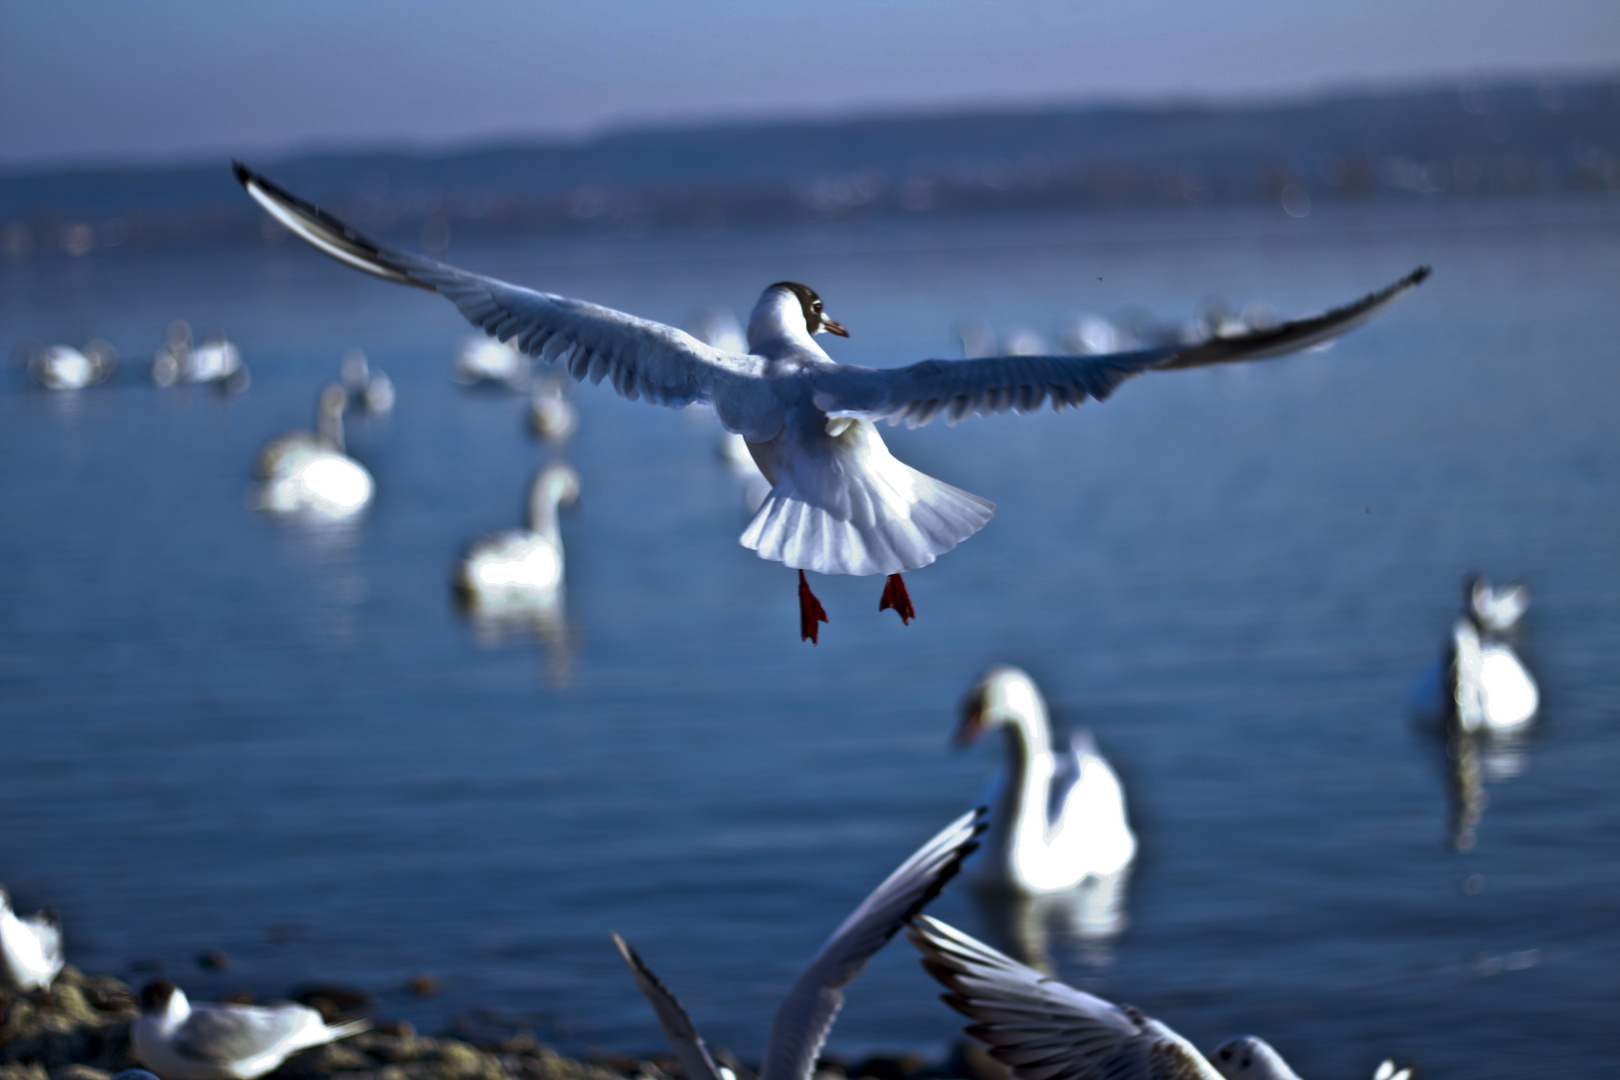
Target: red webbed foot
810 612
895 596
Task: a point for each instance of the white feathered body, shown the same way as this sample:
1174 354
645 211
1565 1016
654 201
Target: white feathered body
30 949
1493 689
840 503
228 1042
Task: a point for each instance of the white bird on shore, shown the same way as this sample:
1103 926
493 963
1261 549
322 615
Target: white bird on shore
806 1015
1057 818
522 569
1042 1028
62 367
309 473
1496 610
208 1041
840 503
30 948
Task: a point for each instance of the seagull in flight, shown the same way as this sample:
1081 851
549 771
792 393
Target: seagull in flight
839 503
806 1015
1042 1028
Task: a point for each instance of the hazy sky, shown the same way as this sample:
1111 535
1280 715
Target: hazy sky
119 79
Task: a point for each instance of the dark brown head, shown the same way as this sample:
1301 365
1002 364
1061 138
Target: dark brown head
815 319
155 996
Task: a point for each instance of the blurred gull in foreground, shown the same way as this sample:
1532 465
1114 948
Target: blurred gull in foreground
840 503
806 1015
62 367
1042 1028
30 948
182 1041
1057 818
308 473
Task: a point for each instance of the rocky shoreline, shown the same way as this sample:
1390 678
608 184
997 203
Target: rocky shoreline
79 1030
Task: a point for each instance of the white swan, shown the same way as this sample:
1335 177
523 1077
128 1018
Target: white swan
208 1041
1494 692
308 472
484 360
1056 817
368 388
522 569
1496 609
551 415
217 360
62 367
30 948
806 1015
840 503
1043 1028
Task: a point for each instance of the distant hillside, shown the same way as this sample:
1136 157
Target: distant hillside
1474 139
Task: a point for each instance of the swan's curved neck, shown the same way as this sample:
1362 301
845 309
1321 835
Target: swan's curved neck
329 427
543 509
1019 817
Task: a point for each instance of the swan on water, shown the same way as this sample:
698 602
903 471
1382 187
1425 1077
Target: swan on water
552 417
30 947
309 473
62 367
839 503
522 569
368 388
1057 817
217 360
209 1041
1044 1029
806 1015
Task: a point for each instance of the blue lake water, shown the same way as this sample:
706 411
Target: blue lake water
219 731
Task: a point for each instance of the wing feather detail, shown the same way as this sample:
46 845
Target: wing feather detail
998 384
1042 1028
638 357
806 1015
693 1053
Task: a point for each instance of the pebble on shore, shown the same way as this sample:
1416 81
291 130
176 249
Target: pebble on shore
79 1030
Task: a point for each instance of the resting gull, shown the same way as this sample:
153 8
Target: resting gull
806 1015
30 948
209 1041
839 503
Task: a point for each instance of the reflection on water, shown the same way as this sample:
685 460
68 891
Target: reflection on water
1076 925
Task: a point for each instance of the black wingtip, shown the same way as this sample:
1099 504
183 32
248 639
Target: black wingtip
1418 276
242 173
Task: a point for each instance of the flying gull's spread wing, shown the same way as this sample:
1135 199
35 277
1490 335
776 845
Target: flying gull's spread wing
962 388
1043 1029
806 1015
678 1028
642 358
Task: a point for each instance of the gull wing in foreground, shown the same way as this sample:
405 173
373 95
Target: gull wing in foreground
1043 1029
806 1015
962 388
689 1047
642 358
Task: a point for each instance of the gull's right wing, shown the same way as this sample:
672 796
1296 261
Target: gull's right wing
642 358
806 1015
1044 1029
689 1047
995 384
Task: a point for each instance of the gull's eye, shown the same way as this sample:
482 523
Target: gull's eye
816 306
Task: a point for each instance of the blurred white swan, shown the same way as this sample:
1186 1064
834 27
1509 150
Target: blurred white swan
30 948
482 360
370 389
840 502
216 360
806 1014
1057 818
62 367
1496 609
1042 1028
208 1041
308 472
521 569
551 415
1494 691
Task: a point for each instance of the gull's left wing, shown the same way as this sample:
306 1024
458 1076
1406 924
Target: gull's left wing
802 1021
642 358
963 388
690 1049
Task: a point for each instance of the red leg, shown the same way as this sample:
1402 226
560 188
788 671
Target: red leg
895 596
810 612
